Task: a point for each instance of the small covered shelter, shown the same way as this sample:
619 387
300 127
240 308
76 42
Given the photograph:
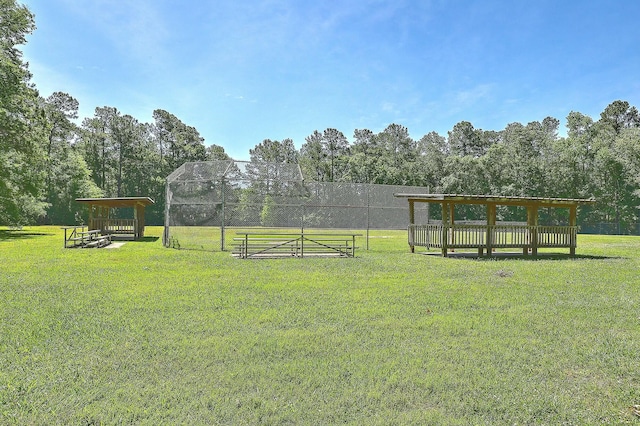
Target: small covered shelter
486 237
100 215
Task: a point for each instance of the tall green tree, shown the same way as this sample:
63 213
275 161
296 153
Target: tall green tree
22 156
68 176
273 151
177 142
98 147
274 174
570 161
313 157
60 109
366 154
267 165
216 152
464 140
432 151
128 136
71 179
124 158
336 147
612 185
627 146
325 155
619 115
524 174
398 153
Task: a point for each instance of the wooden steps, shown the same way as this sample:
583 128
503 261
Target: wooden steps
78 237
98 242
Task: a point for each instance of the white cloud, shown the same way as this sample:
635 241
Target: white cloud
474 95
389 107
49 80
134 27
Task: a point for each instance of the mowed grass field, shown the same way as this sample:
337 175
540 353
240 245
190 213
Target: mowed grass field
148 335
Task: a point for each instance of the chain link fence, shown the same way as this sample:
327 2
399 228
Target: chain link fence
207 201
610 228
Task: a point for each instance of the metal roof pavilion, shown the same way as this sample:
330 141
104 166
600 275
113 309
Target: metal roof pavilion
529 237
495 199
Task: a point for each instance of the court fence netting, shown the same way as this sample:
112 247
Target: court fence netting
207 202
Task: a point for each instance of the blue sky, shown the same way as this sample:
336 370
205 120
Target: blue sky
243 71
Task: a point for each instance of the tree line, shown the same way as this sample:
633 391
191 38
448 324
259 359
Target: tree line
47 159
599 159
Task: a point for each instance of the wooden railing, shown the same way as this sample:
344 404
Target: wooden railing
501 236
429 236
114 226
511 236
557 236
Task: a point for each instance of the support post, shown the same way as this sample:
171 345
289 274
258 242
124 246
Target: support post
573 222
445 228
136 229
491 222
412 220
532 222
353 245
141 220
222 213
107 222
167 233
452 220
369 216
137 233
90 216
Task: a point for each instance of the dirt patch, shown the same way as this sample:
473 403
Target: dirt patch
115 245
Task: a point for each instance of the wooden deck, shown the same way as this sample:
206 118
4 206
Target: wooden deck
485 238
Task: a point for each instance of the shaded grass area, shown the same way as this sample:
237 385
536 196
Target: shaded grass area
148 335
13 234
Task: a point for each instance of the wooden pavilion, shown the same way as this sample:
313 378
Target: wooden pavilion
100 212
448 235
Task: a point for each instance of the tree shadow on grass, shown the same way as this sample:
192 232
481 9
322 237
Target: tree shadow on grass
11 234
130 239
147 240
519 256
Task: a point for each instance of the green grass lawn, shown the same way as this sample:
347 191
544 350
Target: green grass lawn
148 335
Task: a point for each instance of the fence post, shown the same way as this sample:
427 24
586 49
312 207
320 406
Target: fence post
222 188
368 213
167 206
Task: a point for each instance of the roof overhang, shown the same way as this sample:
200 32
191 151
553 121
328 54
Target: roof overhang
117 202
495 199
